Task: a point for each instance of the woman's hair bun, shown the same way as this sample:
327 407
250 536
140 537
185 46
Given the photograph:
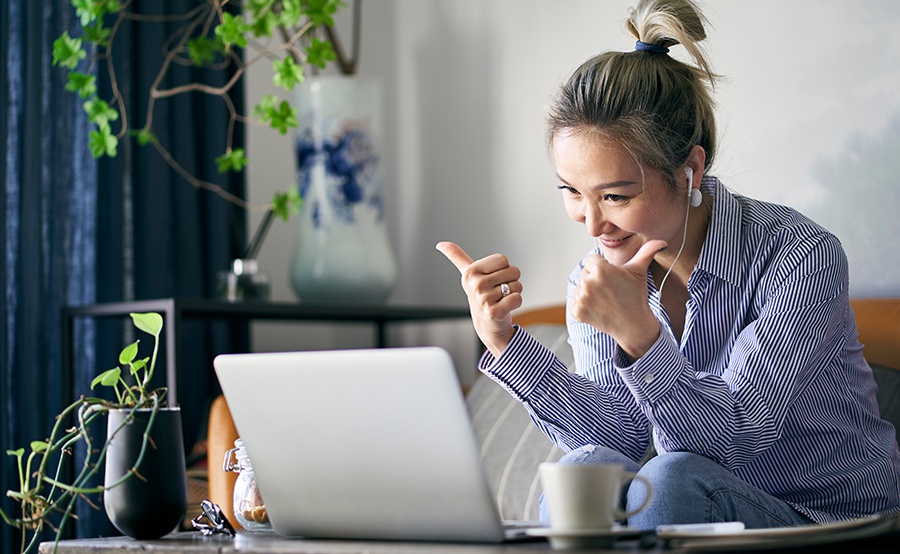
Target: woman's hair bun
666 22
670 22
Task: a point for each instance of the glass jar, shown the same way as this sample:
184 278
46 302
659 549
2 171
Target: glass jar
244 283
249 507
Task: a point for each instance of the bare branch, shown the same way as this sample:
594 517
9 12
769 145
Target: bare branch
113 83
132 16
167 61
347 65
206 185
232 117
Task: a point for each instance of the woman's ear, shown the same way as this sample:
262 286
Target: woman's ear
696 160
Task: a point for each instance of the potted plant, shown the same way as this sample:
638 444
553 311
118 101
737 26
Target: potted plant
142 453
296 36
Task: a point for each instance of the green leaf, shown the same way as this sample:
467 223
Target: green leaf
67 51
82 83
201 50
288 73
150 323
263 24
127 355
292 11
99 112
232 30
144 136
258 8
97 34
17 453
108 378
279 116
86 10
233 160
320 52
139 365
320 12
102 142
286 203
39 446
266 103
93 10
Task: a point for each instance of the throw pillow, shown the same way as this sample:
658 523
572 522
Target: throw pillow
512 447
888 381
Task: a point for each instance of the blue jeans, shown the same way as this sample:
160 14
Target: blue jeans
688 488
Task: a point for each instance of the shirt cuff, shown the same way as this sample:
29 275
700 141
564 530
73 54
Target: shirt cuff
521 366
652 375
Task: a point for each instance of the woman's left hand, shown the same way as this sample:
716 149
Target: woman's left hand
493 288
613 299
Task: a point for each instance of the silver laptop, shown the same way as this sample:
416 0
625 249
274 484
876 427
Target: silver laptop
362 444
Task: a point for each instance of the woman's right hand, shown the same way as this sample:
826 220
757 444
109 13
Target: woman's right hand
482 282
613 299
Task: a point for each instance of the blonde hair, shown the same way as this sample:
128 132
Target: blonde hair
655 106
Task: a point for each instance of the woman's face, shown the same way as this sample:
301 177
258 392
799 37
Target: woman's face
619 204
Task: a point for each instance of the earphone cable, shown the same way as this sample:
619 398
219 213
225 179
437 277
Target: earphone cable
687 214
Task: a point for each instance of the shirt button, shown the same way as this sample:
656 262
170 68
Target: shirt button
649 378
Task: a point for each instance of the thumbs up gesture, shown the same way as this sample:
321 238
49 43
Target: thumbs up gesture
494 291
613 299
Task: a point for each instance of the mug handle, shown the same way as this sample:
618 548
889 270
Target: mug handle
622 513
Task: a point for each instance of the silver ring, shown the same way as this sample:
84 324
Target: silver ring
504 290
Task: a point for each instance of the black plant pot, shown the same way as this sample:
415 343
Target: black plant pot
153 502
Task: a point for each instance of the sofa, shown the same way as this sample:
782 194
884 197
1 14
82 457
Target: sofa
512 446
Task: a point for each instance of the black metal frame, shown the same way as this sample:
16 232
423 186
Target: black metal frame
175 310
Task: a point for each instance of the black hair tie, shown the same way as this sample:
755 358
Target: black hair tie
657 48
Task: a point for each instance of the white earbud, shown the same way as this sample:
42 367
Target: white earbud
694 195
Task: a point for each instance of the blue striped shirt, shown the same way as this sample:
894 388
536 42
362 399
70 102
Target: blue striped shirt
768 378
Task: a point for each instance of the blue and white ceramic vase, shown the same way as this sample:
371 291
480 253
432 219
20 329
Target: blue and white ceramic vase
342 251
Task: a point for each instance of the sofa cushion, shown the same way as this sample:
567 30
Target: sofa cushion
878 324
512 447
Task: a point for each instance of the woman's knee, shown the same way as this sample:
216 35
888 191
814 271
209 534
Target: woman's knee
689 488
594 454
679 482
678 467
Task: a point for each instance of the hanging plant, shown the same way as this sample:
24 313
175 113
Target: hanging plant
294 36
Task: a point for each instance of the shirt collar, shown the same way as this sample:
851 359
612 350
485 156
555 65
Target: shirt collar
721 252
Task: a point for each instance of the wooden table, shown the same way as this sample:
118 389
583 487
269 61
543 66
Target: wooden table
881 537
196 543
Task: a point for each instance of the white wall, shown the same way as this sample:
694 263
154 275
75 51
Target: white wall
808 117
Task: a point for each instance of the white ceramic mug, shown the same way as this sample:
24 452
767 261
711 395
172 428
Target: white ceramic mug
587 496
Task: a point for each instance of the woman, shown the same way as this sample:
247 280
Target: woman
716 351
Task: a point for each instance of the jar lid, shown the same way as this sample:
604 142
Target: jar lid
244 266
240 454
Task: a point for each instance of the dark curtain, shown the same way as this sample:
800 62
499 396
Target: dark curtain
158 236
49 226
77 231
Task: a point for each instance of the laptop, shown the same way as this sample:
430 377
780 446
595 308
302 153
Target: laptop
362 444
